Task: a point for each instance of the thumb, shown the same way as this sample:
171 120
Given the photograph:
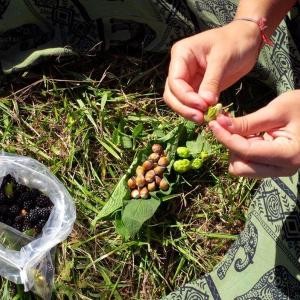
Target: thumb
209 89
263 120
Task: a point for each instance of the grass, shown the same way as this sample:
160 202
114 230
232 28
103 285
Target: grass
86 127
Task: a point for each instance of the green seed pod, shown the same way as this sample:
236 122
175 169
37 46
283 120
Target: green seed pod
183 152
196 163
182 165
213 112
204 155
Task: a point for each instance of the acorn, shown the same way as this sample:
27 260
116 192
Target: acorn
154 157
163 161
151 186
131 183
159 170
147 165
144 193
157 148
164 185
140 170
140 181
150 176
135 194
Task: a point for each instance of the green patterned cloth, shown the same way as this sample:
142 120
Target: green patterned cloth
263 263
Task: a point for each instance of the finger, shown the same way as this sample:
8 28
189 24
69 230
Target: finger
181 81
239 167
256 150
265 119
210 86
183 110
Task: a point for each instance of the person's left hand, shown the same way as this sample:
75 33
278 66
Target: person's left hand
265 143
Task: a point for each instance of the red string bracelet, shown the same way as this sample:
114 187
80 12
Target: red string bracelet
262 27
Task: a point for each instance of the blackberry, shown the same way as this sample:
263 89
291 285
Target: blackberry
21 189
14 210
33 215
4 209
40 225
43 201
44 212
28 204
18 226
26 200
8 221
19 219
3 199
26 226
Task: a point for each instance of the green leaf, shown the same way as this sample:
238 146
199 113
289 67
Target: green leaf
115 201
137 130
121 229
200 144
137 212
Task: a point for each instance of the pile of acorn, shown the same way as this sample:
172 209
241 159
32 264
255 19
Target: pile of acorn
149 175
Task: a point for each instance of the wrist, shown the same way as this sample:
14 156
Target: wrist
247 32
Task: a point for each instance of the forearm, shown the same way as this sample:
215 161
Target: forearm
273 10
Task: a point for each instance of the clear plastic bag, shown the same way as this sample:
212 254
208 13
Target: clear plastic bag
23 259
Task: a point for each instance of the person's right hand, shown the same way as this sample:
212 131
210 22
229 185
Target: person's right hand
205 64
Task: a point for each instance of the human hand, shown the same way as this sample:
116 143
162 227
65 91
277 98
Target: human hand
265 143
203 65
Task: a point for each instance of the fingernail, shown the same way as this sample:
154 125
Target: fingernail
208 96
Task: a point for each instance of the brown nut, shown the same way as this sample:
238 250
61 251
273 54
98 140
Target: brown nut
150 176
163 161
147 165
157 148
144 193
159 170
140 181
131 183
154 157
164 185
151 186
140 170
157 180
135 194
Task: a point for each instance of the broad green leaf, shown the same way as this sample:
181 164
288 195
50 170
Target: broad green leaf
121 229
137 212
115 201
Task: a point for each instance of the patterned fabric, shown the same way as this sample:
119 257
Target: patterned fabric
263 263
33 29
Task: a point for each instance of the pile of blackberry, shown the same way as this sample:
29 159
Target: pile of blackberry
23 208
